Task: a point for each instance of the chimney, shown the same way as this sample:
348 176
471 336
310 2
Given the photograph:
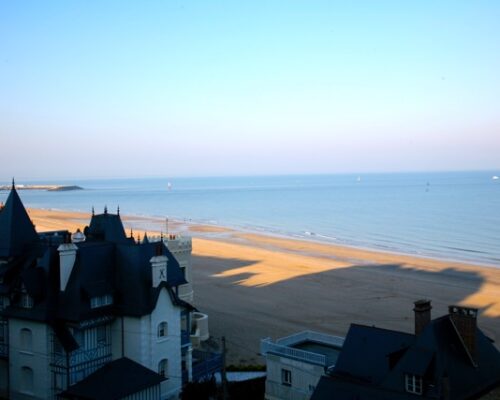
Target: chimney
464 320
422 311
159 269
67 257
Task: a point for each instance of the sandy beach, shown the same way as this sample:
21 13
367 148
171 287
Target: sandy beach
255 286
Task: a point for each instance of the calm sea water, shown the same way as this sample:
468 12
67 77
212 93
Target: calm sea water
445 215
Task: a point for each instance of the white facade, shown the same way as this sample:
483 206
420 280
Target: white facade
29 360
143 344
294 370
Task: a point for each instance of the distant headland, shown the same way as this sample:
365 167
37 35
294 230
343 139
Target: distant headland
51 188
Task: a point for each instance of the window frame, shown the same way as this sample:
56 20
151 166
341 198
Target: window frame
26 340
163 368
286 377
162 328
27 380
414 384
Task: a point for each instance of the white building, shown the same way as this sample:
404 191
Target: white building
77 311
296 363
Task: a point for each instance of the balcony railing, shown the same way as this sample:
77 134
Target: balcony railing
205 364
80 356
283 346
311 336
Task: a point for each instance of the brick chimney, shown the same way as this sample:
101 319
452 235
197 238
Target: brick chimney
464 320
422 311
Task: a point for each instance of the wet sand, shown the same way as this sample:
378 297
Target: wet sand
254 286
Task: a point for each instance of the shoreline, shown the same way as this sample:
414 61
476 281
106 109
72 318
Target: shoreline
208 230
254 285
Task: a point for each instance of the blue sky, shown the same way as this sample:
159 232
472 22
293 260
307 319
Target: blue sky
183 88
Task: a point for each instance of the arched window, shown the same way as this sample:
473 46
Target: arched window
27 379
163 368
162 329
26 339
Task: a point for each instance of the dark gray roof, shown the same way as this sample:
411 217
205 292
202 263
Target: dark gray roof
373 346
108 263
117 379
16 229
107 227
373 364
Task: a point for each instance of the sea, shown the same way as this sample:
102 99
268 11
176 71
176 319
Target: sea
444 215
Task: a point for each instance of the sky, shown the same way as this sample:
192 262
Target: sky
94 89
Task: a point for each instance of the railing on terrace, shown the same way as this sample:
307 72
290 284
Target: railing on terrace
205 364
79 356
311 336
283 346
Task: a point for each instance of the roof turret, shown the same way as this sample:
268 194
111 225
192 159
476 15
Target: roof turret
16 228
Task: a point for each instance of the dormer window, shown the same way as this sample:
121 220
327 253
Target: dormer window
26 301
101 301
413 384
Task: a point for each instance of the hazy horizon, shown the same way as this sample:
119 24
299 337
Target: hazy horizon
195 89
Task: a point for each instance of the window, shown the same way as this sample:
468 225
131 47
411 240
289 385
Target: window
101 301
27 379
413 384
286 377
162 330
26 340
163 368
26 300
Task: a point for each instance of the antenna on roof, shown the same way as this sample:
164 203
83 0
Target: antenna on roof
131 233
93 211
105 209
13 183
161 236
118 210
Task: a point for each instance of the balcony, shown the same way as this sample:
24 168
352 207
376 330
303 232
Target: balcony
199 328
310 347
205 364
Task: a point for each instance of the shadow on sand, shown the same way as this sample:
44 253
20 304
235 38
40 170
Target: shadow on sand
327 301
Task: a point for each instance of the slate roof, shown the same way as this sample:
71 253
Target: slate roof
373 363
372 345
116 380
107 263
16 229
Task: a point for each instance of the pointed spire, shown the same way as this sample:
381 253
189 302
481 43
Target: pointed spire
13 184
16 227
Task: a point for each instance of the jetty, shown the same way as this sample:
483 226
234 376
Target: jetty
52 188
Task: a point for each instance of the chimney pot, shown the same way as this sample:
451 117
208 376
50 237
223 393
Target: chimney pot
422 312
